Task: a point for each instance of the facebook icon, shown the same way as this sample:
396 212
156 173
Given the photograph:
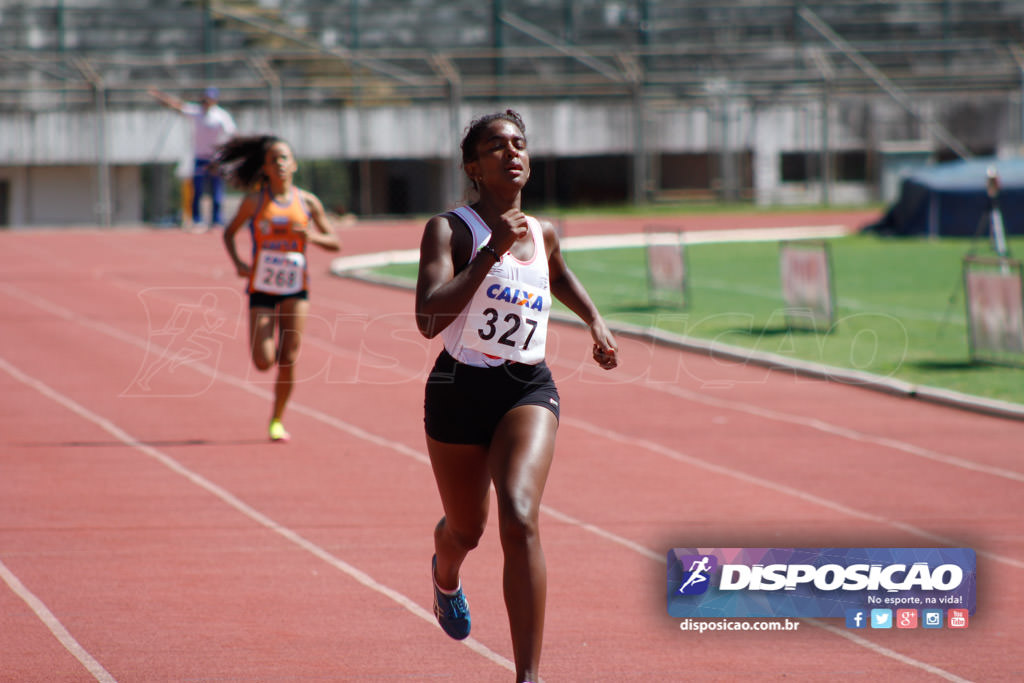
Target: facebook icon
856 618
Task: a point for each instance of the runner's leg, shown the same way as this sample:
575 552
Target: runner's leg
262 345
291 321
520 459
464 484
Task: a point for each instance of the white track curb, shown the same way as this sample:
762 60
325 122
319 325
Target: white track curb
359 267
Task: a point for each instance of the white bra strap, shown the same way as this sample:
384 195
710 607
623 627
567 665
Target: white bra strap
477 228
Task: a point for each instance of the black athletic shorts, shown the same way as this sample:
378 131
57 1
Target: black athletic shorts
464 403
264 300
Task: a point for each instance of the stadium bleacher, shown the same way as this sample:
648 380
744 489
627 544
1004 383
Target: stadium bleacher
701 74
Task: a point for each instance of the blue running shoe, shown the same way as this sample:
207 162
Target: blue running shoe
452 611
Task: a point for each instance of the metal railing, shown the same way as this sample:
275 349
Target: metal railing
339 52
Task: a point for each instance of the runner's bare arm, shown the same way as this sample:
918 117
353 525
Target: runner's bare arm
570 291
441 293
324 235
245 212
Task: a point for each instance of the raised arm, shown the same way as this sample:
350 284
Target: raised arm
169 101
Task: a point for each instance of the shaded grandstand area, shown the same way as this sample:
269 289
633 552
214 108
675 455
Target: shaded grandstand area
767 101
319 50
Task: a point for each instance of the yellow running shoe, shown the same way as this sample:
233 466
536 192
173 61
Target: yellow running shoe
277 432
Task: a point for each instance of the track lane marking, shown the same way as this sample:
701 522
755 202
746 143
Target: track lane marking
358 432
242 507
58 630
409 452
358 575
836 430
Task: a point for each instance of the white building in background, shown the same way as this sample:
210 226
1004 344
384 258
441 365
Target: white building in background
634 101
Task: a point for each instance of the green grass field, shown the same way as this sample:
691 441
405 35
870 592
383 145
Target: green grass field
900 306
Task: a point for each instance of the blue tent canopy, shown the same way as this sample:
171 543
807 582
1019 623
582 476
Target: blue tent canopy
951 199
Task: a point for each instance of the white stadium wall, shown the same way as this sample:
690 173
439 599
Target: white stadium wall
52 160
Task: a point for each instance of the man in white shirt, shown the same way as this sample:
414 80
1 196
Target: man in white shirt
212 125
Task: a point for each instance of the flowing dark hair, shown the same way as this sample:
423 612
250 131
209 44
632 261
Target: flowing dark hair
241 159
478 126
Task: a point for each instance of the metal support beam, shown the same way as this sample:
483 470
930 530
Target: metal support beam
828 74
104 212
269 76
1018 57
380 67
542 36
880 79
453 175
641 158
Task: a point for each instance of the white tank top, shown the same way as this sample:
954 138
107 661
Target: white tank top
507 318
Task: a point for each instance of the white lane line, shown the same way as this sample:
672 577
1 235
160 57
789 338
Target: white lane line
360 576
343 264
884 651
245 509
51 622
827 503
405 450
835 430
603 533
415 454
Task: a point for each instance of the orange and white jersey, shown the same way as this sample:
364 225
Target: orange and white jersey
279 245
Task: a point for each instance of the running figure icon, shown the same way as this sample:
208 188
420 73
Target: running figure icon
698 570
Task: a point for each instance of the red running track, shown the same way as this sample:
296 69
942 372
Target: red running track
149 533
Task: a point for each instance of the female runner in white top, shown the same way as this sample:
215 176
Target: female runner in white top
479 284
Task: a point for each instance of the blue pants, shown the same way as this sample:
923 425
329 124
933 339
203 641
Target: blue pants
202 177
